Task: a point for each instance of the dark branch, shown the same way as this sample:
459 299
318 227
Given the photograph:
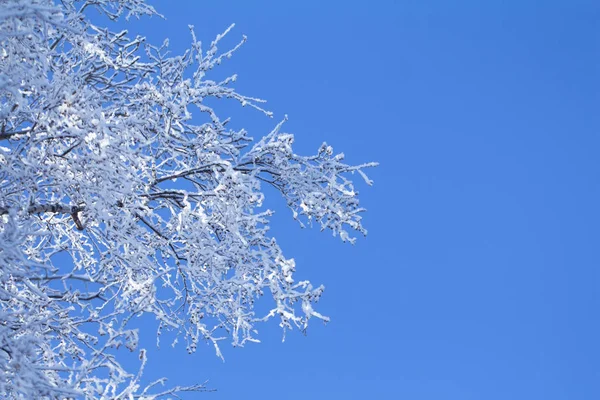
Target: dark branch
57 208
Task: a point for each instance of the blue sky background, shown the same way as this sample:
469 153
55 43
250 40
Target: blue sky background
479 278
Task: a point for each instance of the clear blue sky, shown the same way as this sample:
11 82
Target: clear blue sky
480 275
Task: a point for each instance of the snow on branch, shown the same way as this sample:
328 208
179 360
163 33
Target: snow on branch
111 158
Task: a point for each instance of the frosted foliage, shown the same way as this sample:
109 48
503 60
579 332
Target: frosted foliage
116 202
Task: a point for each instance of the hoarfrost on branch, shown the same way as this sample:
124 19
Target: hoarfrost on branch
95 128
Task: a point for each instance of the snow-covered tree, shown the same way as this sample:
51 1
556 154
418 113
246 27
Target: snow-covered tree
118 199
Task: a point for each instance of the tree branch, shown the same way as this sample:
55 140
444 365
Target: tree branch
56 208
